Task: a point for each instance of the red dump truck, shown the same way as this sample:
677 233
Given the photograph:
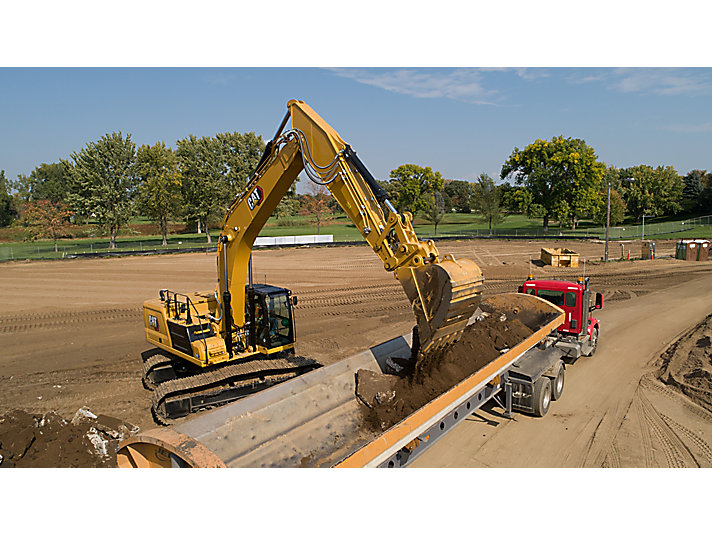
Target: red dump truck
316 419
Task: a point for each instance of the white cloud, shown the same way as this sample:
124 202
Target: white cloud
655 81
457 84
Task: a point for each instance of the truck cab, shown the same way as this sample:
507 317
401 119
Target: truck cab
579 326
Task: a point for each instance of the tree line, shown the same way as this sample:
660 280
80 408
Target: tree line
111 180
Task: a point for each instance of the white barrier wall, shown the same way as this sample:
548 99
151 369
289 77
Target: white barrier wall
293 240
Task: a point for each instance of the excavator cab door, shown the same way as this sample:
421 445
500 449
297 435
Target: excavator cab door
272 326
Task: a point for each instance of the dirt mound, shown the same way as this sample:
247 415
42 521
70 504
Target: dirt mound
687 364
88 440
390 399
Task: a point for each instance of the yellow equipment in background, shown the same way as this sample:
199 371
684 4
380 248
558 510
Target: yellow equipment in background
215 347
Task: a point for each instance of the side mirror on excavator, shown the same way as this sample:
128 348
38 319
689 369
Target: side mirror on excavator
294 300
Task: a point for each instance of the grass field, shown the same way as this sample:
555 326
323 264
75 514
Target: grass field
140 236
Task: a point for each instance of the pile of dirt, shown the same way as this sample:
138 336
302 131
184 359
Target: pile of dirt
388 399
88 440
687 364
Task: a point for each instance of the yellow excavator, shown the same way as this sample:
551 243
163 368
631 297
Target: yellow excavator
213 347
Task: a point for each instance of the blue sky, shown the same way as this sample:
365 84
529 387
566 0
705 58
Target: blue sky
460 121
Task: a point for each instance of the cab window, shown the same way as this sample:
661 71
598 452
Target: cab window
570 299
530 291
280 325
555 297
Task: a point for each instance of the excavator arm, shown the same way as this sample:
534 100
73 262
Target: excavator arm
444 292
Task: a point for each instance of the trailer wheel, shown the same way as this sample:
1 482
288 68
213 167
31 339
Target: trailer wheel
542 396
557 383
593 342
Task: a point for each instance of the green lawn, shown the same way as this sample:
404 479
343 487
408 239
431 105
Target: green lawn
454 224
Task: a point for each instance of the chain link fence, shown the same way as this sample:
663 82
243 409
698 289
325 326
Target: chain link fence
198 243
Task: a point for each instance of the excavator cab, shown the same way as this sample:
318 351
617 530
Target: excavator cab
272 326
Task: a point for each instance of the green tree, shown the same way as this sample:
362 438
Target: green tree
459 192
159 191
617 209
486 201
562 169
204 186
103 183
651 191
434 211
48 181
706 196
45 218
693 189
563 213
239 155
413 184
7 208
517 200
286 208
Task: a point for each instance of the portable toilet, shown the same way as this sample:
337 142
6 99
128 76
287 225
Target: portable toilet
692 249
648 250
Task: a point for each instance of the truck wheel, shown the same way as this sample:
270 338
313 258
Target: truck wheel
557 383
542 396
593 342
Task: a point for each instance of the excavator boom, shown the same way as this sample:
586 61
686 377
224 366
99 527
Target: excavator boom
444 292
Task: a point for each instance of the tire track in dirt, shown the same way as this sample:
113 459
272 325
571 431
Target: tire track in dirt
647 442
613 458
676 452
651 383
699 443
52 320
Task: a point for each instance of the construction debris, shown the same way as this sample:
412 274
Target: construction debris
49 440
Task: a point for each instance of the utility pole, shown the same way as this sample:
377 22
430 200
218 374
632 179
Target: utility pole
608 221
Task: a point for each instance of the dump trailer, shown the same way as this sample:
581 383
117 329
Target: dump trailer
317 420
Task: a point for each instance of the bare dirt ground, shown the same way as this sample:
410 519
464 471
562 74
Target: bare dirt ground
78 324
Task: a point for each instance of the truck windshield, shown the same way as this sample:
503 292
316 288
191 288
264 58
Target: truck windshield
555 297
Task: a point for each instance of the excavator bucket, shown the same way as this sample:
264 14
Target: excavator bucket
444 296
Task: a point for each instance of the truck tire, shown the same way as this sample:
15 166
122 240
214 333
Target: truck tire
594 341
557 382
542 396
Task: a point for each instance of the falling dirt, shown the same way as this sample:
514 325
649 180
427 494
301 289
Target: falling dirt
687 364
390 399
88 440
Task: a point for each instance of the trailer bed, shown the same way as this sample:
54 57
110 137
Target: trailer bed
316 420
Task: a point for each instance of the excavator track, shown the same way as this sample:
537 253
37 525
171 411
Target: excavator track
176 398
151 365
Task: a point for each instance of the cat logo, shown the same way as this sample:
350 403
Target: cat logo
153 322
255 198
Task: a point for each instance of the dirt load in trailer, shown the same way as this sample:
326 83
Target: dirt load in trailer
377 408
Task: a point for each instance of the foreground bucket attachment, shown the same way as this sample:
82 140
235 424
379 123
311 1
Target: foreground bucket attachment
444 296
